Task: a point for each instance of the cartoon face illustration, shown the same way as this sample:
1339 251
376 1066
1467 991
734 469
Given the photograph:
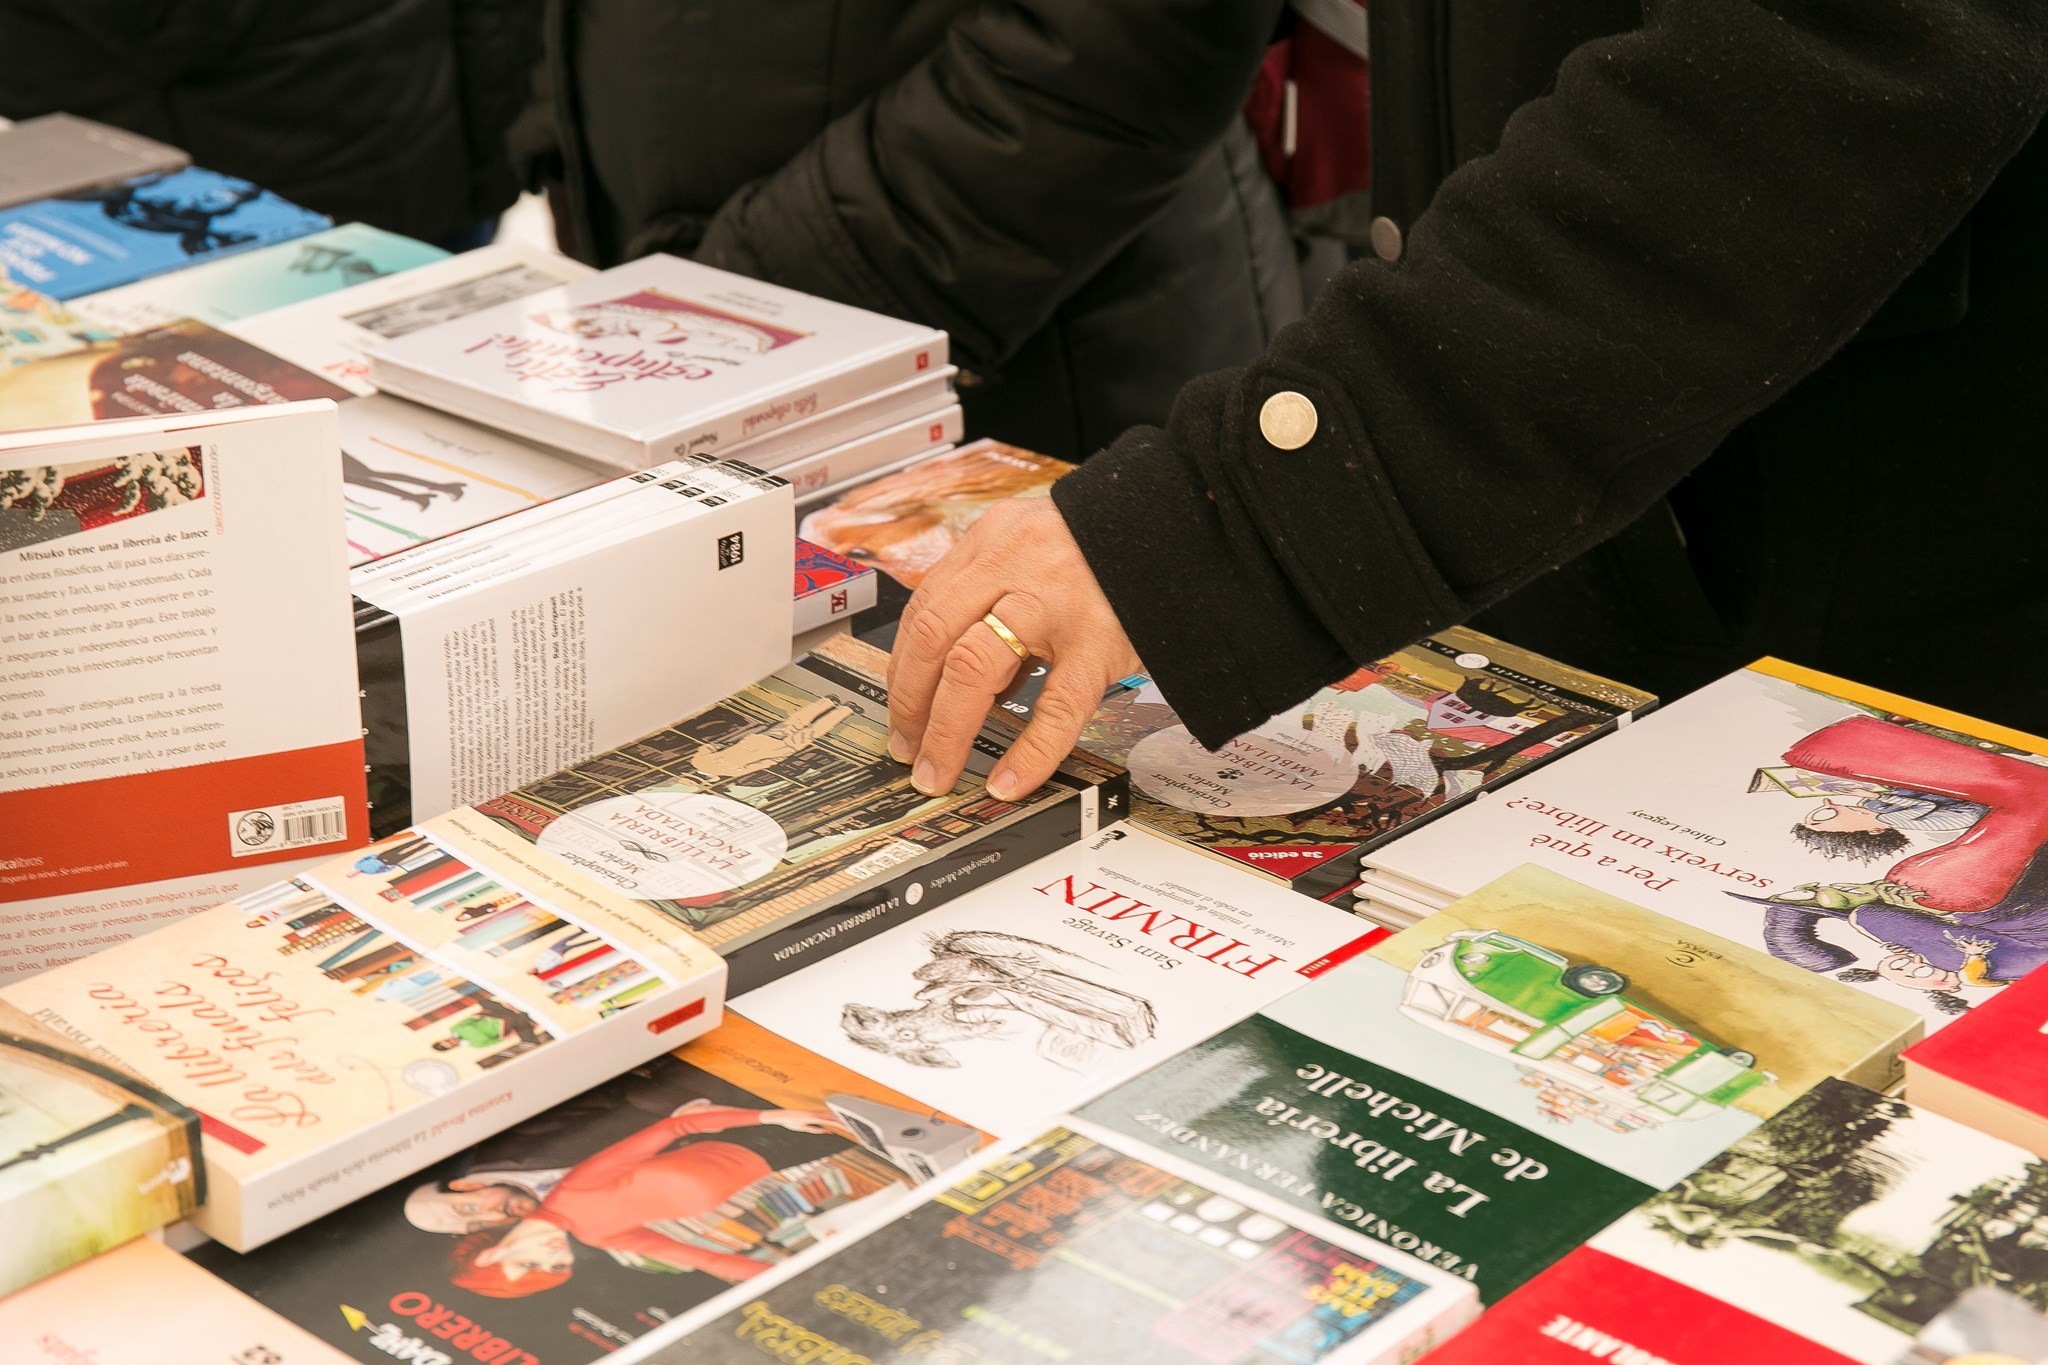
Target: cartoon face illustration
1903 967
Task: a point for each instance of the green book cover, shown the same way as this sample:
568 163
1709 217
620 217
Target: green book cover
1490 1088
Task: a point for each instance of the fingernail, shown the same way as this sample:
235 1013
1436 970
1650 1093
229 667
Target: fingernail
1002 785
925 777
899 748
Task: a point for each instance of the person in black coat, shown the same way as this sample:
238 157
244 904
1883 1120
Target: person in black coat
387 112
1067 187
1730 337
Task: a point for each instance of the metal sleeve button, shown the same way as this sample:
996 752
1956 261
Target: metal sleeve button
1287 420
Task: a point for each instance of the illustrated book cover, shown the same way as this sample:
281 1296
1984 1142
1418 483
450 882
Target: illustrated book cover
1360 761
1491 1087
1848 832
580 1230
94 239
654 359
1074 1246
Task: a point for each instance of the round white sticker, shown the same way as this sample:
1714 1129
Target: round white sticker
1471 661
1273 770
668 845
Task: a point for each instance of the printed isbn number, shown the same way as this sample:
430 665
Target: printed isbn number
273 829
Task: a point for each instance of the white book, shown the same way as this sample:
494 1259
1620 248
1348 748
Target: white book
381 1011
331 336
836 427
1841 829
176 659
655 359
913 440
411 475
1036 992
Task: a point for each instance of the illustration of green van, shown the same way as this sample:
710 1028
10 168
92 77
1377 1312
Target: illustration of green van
1587 1050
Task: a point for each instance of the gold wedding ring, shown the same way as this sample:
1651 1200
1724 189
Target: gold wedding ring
1007 636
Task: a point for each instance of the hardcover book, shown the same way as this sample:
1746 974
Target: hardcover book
1839 1231
95 239
222 291
130 1305
1361 761
340 1030
576 1232
1848 832
1042 989
1989 1069
332 335
185 368
654 359
1074 1246
174 658
1490 1088
90 1157
775 826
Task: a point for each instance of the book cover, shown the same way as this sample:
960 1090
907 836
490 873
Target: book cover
177 658
90 240
1848 832
653 359
828 587
1490 1088
1075 1247
411 475
135 1304
34 325
223 291
1360 761
183 369
576 1232
774 805
1045 987
332 335
341 1029
1989 1069
58 153
1839 1230
90 1157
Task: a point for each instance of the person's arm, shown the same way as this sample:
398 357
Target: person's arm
1695 219
997 176
1699 215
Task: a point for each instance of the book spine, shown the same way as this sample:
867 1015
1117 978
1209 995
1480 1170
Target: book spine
908 361
922 887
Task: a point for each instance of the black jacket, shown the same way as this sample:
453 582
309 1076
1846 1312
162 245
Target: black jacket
390 112
1616 340
1063 185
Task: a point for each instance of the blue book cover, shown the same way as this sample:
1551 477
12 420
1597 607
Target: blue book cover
97 239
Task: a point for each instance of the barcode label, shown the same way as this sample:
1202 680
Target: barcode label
276 829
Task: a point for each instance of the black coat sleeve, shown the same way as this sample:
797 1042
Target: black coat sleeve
982 188
1698 215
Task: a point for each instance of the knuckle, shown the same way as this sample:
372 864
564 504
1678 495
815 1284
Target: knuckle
1060 710
967 662
925 633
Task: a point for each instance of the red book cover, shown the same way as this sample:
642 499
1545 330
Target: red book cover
1998 1048
1594 1307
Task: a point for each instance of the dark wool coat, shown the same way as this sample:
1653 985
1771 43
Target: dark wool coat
1741 318
389 112
1065 186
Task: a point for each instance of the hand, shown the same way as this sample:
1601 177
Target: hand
1020 563
801 1120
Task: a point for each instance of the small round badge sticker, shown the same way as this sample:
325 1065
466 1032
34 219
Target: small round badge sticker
256 828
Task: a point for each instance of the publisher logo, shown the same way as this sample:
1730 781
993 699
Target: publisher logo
256 828
732 549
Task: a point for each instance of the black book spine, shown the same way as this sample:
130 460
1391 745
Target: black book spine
387 740
926 886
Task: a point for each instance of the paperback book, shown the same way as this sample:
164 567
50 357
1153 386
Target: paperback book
95 239
1490 1088
134 1304
1073 1246
1848 832
222 291
183 369
90 1157
1989 1069
851 424
332 335
842 466
1837 1232
344 1028
655 359
58 153
1042 989
34 325
828 588
174 642
578 1231
775 827
1361 761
